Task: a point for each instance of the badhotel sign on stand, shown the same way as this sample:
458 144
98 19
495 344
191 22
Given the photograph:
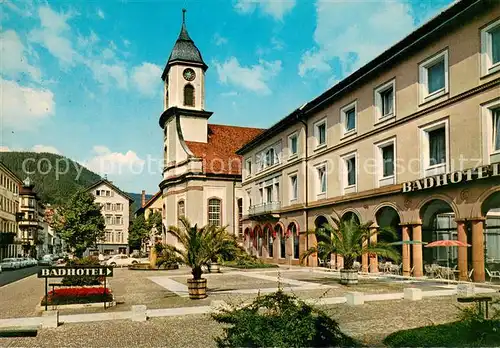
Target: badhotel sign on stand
453 178
61 272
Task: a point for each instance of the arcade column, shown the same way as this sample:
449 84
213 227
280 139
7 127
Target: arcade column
478 249
462 251
418 270
373 258
405 229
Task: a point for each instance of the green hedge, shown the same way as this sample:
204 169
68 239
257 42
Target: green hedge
478 333
249 264
82 280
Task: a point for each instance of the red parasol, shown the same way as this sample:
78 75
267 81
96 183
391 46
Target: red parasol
447 243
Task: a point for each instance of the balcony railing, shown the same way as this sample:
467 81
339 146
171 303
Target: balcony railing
264 208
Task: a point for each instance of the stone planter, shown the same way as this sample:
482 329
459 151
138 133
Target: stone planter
215 268
348 277
197 288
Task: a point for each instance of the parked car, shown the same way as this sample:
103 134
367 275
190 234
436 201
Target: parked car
121 260
10 263
23 262
0 268
46 260
32 261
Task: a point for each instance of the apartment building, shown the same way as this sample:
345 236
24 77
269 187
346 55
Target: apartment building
9 205
411 140
115 209
30 220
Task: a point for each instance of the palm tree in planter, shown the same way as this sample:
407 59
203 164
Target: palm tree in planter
198 247
349 239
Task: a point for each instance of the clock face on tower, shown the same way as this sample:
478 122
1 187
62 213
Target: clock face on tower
189 74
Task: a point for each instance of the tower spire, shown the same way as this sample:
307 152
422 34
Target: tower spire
184 16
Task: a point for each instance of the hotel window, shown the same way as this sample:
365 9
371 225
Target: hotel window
108 206
292 144
248 166
321 179
118 220
349 173
490 48
435 148
119 236
214 212
433 77
495 114
270 157
181 209
109 220
385 97
348 119
386 154
293 187
320 132
108 236
269 194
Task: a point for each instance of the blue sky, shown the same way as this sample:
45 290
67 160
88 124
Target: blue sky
82 78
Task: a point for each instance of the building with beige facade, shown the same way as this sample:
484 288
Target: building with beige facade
9 205
151 206
411 140
202 172
115 207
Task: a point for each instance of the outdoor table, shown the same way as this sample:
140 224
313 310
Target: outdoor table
479 300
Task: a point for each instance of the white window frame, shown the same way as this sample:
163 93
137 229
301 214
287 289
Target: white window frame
487 67
318 167
292 155
294 193
378 101
381 180
490 155
425 96
346 188
248 167
429 170
316 133
343 118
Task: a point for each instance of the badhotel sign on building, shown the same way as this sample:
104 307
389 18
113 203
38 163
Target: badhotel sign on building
460 176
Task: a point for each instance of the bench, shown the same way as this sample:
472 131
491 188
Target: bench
19 331
479 300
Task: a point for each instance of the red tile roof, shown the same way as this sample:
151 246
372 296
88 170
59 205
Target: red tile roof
219 154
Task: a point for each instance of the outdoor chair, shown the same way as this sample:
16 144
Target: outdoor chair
493 274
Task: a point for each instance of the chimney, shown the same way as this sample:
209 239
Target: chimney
143 199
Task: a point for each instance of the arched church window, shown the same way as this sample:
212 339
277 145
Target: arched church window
214 211
166 97
188 95
181 209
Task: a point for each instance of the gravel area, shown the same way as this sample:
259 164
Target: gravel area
19 299
186 331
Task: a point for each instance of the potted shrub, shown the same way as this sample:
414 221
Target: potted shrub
198 247
347 239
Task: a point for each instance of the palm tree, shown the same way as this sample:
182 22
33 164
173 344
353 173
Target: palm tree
199 247
349 239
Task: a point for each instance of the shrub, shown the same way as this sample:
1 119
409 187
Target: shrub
82 280
279 320
78 295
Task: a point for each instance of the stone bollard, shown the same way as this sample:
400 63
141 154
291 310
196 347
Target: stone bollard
50 319
355 298
466 290
412 294
138 313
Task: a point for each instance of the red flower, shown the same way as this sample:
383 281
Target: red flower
78 292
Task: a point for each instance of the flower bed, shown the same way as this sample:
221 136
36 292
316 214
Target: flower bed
78 295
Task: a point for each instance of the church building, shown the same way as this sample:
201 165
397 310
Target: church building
202 172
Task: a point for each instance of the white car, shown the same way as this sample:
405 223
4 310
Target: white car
10 263
32 261
22 262
121 260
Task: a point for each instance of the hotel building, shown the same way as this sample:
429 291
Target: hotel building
411 140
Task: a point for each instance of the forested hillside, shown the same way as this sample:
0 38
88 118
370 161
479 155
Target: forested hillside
56 177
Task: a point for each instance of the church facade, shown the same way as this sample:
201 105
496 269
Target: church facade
202 172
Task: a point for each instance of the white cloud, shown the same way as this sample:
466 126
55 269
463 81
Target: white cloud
219 40
23 106
55 35
108 54
254 78
104 161
14 57
351 35
46 148
274 8
126 42
109 74
100 13
146 78
21 8
88 42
